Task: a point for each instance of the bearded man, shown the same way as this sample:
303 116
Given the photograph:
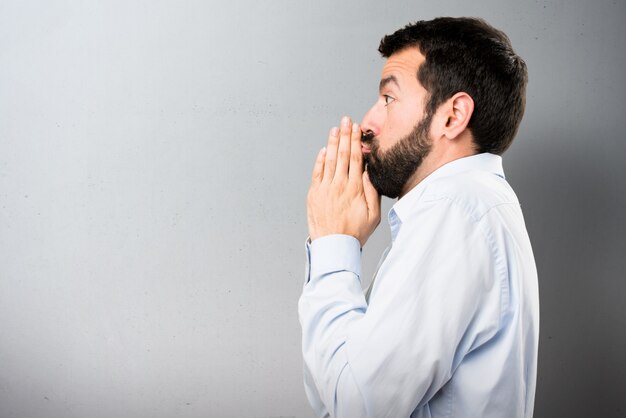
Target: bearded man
449 325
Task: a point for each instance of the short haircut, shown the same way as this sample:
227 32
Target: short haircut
469 55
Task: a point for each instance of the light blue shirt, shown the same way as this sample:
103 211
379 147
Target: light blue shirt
452 323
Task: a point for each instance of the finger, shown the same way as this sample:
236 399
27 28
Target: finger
343 151
318 167
330 160
356 155
372 198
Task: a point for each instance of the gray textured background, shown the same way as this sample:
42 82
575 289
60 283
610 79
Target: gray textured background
154 162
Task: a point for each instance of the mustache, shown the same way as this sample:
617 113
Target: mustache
367 137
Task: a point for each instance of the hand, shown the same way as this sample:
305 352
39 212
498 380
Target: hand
341 199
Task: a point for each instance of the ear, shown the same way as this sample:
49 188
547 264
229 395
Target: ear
457 112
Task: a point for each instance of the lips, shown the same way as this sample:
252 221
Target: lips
365 149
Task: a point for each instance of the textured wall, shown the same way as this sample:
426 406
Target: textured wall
154 161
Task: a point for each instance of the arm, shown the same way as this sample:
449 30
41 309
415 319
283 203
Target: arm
341 200
326 310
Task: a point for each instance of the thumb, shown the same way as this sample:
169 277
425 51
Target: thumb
372 198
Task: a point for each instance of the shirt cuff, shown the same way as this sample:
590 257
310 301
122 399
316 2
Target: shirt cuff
333 253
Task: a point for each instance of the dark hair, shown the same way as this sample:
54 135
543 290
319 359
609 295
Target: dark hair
469 55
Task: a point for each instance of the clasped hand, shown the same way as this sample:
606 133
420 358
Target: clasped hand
341 199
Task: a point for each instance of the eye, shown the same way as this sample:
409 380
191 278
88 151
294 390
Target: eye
388 99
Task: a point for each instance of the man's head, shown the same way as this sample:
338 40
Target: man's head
459 74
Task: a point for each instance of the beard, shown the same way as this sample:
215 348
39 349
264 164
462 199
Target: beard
389 171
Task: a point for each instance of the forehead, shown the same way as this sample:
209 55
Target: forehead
404 64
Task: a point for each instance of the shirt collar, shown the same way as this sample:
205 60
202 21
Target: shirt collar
483 162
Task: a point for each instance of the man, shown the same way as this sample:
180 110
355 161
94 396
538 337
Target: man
450 324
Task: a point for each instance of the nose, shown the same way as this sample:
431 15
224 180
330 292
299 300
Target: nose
372 121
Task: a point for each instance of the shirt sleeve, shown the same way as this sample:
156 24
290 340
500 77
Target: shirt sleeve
436 298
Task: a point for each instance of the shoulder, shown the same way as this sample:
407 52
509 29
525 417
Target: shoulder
474 192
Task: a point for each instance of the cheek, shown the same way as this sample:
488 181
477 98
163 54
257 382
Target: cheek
382 143
400 123
392 132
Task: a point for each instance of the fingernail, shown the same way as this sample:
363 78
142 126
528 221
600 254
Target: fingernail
355 127
345 121
334 131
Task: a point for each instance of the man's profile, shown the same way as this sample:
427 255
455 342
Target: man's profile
449 326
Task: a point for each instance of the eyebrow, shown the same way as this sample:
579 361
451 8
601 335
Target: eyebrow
387 80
